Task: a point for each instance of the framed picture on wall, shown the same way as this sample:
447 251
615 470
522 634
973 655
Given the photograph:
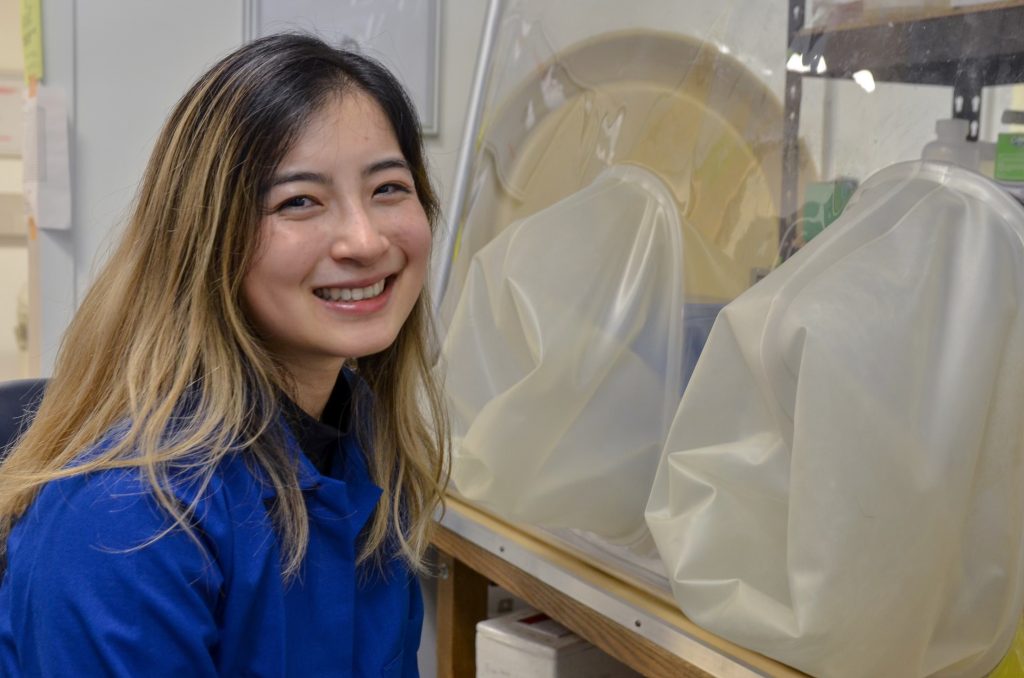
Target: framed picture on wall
402 34
12 113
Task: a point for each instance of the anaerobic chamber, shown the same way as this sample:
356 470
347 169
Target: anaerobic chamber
712 321
592 122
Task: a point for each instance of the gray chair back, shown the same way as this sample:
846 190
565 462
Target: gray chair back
18 403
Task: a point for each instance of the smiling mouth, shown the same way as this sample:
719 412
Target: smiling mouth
351 293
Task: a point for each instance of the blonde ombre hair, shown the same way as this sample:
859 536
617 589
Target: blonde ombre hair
162 353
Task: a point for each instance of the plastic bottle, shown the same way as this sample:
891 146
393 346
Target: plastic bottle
986 158
951 144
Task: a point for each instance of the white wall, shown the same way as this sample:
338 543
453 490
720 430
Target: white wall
13 255
462 22
10 175
10 35
132 61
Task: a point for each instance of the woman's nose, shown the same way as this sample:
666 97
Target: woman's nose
359 237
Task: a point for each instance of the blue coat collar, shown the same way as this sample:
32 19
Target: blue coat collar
353 494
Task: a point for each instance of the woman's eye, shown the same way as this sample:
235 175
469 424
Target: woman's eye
392 189
298 202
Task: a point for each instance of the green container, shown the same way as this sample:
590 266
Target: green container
826 200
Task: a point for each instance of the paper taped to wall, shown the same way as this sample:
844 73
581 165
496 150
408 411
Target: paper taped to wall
46 160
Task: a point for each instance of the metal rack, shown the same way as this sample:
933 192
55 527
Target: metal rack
967 49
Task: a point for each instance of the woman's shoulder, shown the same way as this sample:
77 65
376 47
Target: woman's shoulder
97 545
199 476
119 508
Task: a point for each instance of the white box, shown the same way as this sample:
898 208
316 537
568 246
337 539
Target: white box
529 644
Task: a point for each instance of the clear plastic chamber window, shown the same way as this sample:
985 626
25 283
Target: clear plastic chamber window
734 309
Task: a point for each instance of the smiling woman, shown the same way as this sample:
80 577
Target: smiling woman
344 246
238 457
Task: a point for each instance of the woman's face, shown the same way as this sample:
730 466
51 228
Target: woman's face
344 242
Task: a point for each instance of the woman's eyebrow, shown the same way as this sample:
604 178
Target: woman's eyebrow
386 164
289 177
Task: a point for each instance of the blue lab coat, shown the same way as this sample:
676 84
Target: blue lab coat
80 599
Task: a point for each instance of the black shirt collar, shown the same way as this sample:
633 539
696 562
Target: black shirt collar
320 439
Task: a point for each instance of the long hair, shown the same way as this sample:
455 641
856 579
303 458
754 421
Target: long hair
162 351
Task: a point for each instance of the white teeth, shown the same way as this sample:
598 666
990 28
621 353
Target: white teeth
349 293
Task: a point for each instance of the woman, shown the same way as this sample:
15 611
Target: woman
206 490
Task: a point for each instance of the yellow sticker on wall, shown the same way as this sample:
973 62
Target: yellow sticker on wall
32 39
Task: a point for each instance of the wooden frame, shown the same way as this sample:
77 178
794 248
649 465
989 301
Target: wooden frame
468 567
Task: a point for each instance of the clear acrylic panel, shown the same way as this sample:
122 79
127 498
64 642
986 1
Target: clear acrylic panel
761 120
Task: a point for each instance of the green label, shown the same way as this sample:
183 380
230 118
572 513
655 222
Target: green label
1010 157
826 200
